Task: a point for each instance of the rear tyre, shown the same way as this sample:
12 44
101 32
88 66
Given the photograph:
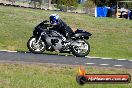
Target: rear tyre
81 48
36 47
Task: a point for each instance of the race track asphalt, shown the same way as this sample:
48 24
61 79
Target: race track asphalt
60 59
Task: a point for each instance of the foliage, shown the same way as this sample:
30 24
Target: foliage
127 5
66 4
89 3
36 3
54 1
102 2
112 2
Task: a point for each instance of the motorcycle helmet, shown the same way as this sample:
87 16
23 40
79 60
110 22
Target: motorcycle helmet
54 19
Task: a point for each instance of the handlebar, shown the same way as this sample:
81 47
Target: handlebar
45 21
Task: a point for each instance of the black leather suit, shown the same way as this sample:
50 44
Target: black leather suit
62 28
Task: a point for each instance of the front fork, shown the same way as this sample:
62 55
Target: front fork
39 37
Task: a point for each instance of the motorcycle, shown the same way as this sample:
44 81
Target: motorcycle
44 39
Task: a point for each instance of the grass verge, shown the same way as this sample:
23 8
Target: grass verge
52 76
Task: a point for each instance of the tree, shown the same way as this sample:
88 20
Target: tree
54 1
109 3
49 4
106 2
101 2
36 3
90 3
66 4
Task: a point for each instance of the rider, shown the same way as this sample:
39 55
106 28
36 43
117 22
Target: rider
60 26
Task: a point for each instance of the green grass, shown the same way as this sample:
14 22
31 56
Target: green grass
111 37
52 76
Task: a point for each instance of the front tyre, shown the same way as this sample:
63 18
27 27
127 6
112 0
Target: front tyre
35 46
81 48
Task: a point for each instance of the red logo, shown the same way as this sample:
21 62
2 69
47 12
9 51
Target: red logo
83 78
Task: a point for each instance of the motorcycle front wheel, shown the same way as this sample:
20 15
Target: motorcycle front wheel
35 46
81 48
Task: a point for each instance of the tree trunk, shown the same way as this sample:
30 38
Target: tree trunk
66 8
49 4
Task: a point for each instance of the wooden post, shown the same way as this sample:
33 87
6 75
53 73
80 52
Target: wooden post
117 9
49 4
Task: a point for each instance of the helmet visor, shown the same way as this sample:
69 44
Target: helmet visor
53 20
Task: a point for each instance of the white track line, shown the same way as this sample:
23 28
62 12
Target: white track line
90 63
104 64
95 57
12 51
8 51
87 56
4 50
118 65
92 57
106 58
121 59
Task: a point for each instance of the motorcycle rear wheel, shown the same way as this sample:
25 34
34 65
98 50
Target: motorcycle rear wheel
77 50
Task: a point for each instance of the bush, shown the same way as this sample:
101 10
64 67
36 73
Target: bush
89 4
71 8
65 5
65 8
62 8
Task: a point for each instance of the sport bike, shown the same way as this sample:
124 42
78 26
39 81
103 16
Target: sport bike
45 39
